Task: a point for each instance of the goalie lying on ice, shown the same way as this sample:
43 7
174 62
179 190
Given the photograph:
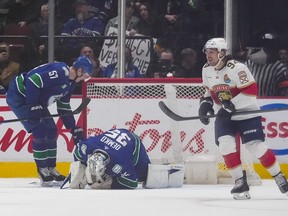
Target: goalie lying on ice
117 159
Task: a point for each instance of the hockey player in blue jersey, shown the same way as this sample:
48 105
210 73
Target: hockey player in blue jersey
117 159
117 153
29 96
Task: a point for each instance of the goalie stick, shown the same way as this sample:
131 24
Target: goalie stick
177 117
82 106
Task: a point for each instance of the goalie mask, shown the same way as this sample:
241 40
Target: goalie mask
96 165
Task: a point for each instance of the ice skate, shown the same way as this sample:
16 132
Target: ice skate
46 179
241 188
57 177
281 182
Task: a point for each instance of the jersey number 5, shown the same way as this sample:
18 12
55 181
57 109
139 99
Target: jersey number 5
53 74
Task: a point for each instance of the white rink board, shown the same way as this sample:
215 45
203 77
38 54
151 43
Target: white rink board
143 117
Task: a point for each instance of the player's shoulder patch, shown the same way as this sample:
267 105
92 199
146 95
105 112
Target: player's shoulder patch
83 149
116 168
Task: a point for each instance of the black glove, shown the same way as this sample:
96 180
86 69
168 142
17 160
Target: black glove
78 135
206 107
36 112
227 109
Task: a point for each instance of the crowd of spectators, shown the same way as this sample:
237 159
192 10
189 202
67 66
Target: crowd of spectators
178 29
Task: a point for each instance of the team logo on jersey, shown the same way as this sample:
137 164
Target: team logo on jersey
243 77
83 149
226 79
222 92
116 168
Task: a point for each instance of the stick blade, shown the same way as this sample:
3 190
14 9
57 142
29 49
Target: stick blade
82 106
169 112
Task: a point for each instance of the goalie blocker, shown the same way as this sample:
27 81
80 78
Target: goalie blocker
159 176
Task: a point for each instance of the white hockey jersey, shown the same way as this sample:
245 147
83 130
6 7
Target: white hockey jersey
233 82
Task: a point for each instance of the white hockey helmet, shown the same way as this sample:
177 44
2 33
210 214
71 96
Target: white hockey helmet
216 43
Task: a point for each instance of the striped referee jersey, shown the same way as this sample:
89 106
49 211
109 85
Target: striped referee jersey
267 76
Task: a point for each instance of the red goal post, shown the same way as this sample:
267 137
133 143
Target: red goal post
133 104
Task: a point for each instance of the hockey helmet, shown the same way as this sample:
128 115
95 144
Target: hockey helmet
84 63
216 43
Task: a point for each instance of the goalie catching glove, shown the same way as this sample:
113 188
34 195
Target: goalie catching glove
206 107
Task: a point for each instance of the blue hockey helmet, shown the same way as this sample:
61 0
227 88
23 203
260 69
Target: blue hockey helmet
84 63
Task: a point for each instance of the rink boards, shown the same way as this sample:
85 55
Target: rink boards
163 138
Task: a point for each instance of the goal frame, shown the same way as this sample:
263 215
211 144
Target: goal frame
178 148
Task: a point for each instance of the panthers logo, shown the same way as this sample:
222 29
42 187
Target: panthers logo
224 95
222 92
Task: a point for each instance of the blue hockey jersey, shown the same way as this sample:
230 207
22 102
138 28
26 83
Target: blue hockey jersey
129 161
45 85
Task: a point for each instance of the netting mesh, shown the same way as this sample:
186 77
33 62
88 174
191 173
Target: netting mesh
173 92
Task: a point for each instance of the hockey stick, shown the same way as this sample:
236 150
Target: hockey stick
82 106
177 117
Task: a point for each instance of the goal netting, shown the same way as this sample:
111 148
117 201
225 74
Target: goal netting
133 104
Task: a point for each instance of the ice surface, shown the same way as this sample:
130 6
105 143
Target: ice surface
24 197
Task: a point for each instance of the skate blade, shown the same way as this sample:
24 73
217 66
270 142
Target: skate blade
57 183
242 196
46 184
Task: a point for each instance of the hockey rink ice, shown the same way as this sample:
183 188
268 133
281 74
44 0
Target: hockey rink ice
24 197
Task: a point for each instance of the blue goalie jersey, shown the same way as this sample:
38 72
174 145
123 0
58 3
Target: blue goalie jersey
129 161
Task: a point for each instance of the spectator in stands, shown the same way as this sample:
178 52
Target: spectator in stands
81 25
4 9
189 66
168 15
24 12
100 9
87 50
64 10
264 65
283 56
283 86
147 21
180 23
40 28
163 66
131 21
8 68
131 70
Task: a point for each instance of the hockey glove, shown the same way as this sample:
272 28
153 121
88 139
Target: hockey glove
206 107
36 112
227 109
78 135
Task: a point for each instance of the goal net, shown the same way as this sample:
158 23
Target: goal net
133 104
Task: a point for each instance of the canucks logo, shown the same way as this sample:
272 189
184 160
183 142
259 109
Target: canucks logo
117 168
83 149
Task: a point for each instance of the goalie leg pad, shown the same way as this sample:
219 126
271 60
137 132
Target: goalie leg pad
78 178
163 176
